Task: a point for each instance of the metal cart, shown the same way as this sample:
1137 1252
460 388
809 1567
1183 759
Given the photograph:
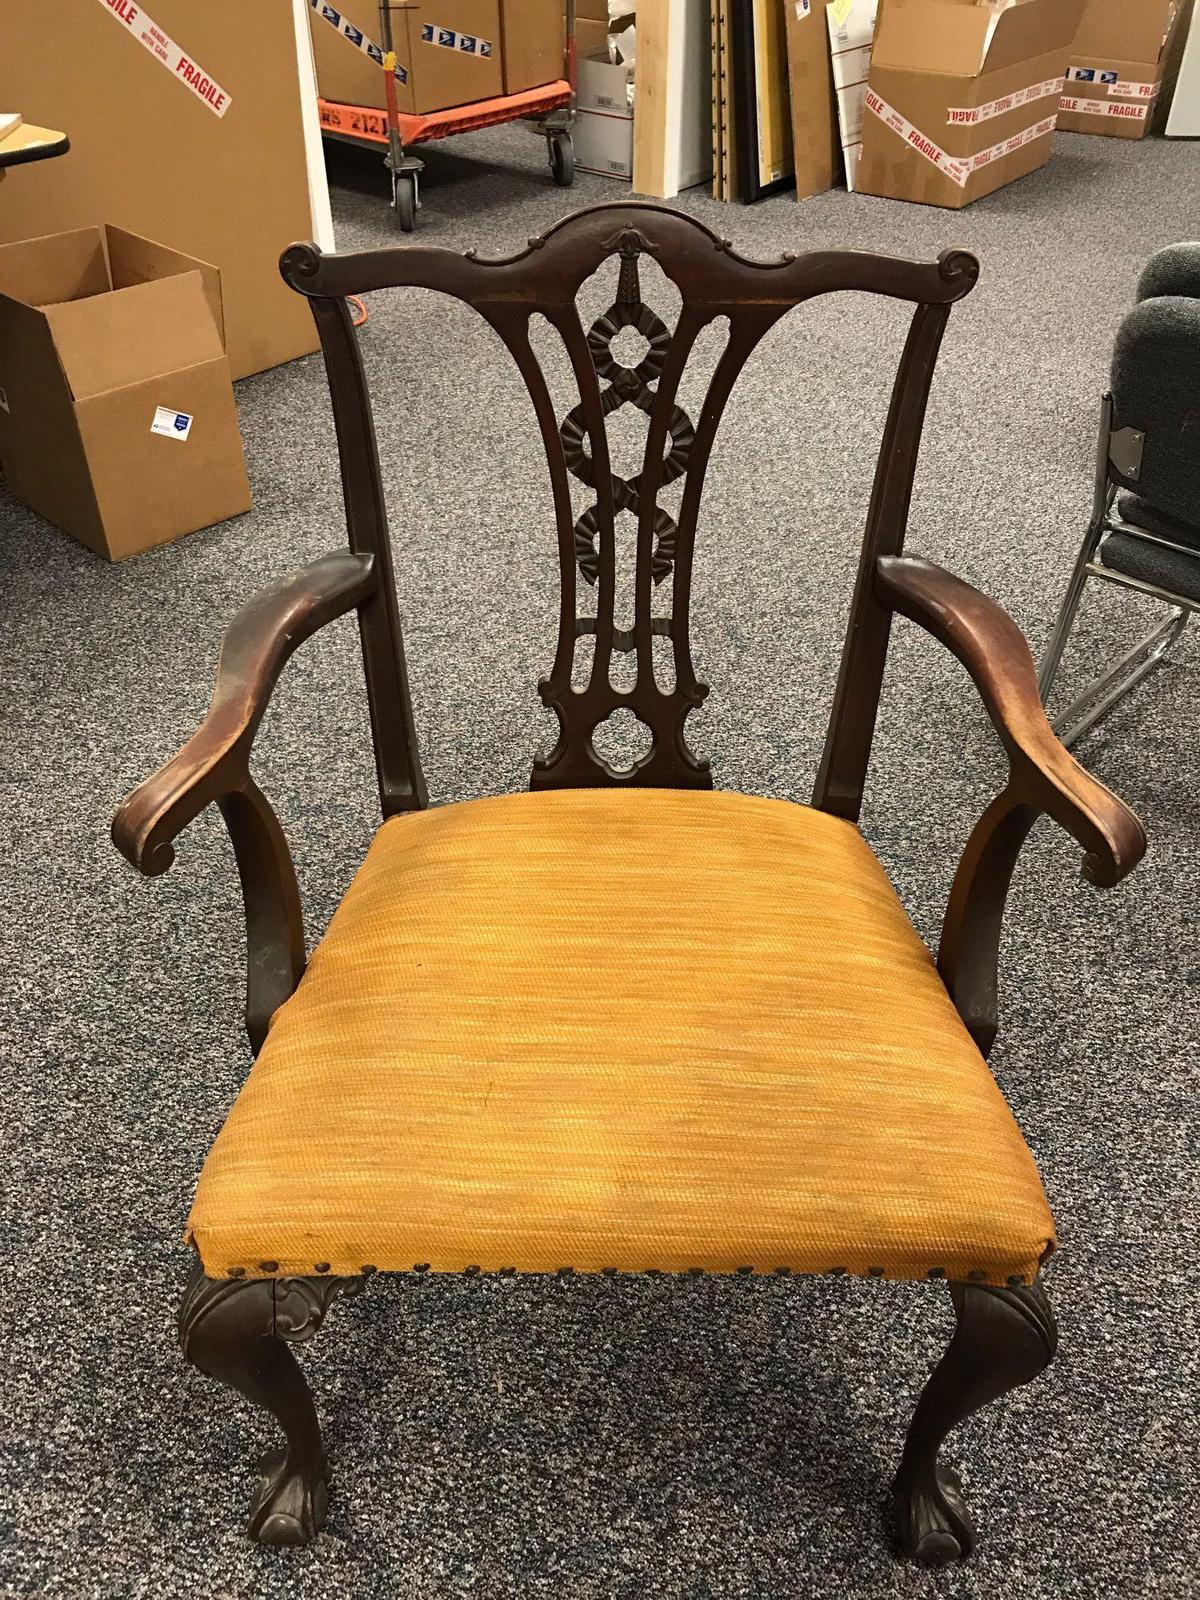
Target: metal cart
551 106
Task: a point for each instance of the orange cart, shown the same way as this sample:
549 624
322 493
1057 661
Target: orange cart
551 106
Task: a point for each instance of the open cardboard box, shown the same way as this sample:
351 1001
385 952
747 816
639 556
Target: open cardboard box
1122 60
117 418
963 95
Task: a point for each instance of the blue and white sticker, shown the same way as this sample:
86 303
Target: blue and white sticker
468 44
171 424
354 36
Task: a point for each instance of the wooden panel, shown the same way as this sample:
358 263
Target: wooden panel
152 156
672 129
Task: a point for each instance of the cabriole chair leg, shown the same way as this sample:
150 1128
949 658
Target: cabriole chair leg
235 1330
1004 1337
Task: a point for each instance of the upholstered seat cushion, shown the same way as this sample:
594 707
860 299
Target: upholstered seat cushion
628 1029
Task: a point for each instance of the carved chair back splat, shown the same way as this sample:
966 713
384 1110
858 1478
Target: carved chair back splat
713 282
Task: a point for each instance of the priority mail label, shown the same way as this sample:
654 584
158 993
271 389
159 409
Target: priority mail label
355 36
171 424
803 9
467 44
968 115
169 55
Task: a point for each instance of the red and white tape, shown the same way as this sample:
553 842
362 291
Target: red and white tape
957 168
165 51
969 115
1130 110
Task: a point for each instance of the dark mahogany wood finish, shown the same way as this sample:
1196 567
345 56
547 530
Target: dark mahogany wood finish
235 1330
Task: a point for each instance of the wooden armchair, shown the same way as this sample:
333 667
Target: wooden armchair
768 1074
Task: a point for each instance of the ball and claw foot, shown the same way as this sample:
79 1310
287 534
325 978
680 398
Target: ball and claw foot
930 1519
291 1504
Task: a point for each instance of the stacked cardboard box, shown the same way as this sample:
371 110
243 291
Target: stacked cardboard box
1120 65
963 96
448 52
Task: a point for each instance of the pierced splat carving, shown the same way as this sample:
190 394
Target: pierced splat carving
713 282
627 386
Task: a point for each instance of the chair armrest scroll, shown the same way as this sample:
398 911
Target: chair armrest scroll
214 761
1044 775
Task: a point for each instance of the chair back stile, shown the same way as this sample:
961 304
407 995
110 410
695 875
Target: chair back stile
713 283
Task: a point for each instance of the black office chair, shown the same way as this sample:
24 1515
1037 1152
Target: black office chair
1145 529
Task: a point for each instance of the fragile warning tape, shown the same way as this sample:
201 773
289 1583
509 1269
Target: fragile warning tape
957 168
968 115
355 36
168 54
1129 109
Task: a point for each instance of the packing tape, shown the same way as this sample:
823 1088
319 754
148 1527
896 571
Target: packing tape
1088 107
957 168
168 54
968 115
467 44
355 36
1123 88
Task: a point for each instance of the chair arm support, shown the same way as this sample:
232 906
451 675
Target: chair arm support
214 761
1043 777
214 765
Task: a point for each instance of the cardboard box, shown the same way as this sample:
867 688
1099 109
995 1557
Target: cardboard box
1119 66
533 43
454 52
351 75
117 419
591 38
448 52
851 32
810 92
604 144
603 85
963 97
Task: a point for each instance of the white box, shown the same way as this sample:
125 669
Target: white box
603 86
604 144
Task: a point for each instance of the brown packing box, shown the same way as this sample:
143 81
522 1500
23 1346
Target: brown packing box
815 141
533 43
104 338
454 52
449 49
1120 63
349 75
963 96
591 38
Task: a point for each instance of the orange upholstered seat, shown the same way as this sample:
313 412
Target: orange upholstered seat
621 1028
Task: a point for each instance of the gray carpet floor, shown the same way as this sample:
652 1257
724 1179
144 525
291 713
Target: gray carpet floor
699 1440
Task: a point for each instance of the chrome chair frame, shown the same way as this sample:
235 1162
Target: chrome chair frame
1118 463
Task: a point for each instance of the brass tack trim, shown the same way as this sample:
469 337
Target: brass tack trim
876 1272
268 1266
368 1271
321 1266
783 1272
564 1272
237 1272
1016 1280
608 1272
835 1272
695 1272
421 1266
744 1272
471 1272
936 1272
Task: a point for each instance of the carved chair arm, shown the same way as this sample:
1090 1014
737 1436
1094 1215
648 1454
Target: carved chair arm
214 765
214 761
1043 777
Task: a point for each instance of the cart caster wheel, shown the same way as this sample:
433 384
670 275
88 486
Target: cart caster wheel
562 159
404 198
